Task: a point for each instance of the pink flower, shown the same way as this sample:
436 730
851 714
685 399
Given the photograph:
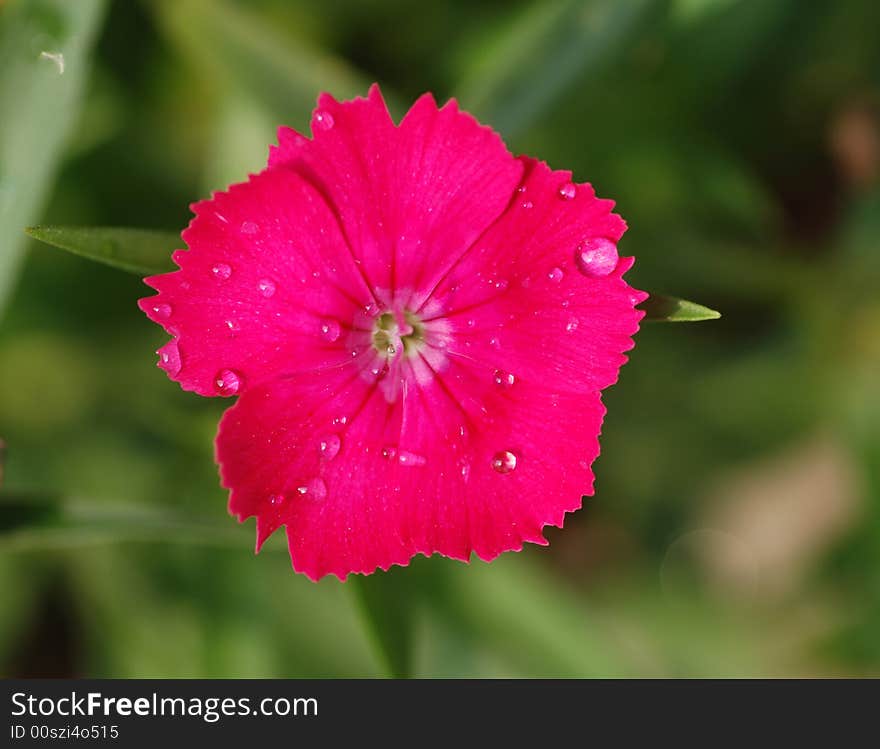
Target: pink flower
417 326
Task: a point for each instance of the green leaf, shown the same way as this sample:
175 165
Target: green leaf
670 309
551 44
30 522
238 50
386 602
44 51
139 251
525 615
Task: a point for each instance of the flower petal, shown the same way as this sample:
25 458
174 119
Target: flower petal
361 483
525 298
267 287
411 199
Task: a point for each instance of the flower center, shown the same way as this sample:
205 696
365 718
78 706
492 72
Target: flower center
396 333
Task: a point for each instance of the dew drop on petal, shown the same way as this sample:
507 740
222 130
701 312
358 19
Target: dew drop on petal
323 120
233 326
596 257
249 228
504 462
222 271
227 382
494 342
330 331
389 453
406 458
571 325
329 446
169 358
162 311
503 379
568 191
315 489
527 204
266 287
556 275
501 284
276 500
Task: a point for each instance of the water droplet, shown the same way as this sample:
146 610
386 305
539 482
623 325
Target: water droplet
501 284
249 228
568 191
221 217
276 500
596 257
341 420
527 204
471 323
389 453
233 326
314 489
330 331
494 342
504 462
266 287
406 458
556 275
465 470
227 382
162 311
222 271
504 379
572 325
323 120
329 446
169 358
521 189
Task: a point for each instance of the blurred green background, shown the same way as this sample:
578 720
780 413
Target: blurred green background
736 526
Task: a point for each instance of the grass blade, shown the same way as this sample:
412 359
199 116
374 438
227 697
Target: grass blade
671 309
385 601
139 251
44 51
551 44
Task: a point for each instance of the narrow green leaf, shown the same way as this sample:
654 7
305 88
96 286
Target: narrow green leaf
30 522
548 47
44 51
670 309
524 614
139 251
238 50
386 603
